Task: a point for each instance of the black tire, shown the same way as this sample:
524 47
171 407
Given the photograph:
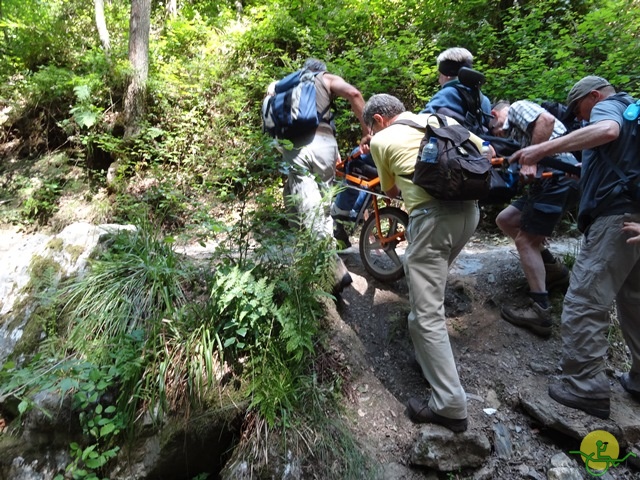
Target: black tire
384 262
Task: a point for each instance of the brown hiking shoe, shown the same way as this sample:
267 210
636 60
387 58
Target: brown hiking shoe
556 276
419 412
532 316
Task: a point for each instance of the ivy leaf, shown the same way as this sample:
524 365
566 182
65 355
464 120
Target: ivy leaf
82 92
23 406
85 118
107 429
67 384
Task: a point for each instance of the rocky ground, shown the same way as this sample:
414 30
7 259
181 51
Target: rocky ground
504 369
516 431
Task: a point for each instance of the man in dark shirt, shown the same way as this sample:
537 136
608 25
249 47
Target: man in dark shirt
608 266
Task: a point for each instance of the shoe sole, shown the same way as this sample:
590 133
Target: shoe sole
537 329
602 413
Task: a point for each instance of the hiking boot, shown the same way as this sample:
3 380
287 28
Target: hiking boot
533 317
341 235
419 412
338 213
342 277
624 381
556 276
598 407
341 284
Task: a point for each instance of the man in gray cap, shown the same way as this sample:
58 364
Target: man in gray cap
607 267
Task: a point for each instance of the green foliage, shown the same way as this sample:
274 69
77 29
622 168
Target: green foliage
128 288
99 422
245 306
42 203
84 113
129 326
143 321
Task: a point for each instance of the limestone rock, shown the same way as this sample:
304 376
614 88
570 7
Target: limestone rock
446 451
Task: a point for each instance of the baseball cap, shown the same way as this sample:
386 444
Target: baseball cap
582 89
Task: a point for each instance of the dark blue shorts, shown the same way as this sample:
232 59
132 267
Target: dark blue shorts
544 204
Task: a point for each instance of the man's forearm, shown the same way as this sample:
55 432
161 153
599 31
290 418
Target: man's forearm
588 137
584 138
392 192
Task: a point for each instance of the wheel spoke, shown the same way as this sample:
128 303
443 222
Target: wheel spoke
378 246
393 255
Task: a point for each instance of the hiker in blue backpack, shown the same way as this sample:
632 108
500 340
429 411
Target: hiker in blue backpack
450 99
607 267
312 159
532 217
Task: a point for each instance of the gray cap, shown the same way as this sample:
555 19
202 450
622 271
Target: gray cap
582 89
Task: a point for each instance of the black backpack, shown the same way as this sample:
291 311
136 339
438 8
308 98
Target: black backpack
461 171
471 80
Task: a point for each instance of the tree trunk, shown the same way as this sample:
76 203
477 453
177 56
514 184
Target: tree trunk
134 100
101 24
172 8
4 30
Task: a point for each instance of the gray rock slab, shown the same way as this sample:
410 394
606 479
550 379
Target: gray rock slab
443 450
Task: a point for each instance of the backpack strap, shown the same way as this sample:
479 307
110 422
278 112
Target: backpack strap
442 121
626 186
472 106
322 113
470 101
456 134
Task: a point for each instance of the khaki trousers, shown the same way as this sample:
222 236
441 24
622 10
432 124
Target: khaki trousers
437 232
606 268
312 166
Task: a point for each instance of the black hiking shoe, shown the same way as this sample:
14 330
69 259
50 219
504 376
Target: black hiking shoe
598 407
341 235
557 276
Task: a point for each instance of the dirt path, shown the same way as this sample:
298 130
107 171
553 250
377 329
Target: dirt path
497 362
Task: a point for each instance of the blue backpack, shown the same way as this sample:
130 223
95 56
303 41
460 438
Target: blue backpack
292 111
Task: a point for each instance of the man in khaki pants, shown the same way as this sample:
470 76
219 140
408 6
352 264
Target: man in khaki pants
436 233
607 268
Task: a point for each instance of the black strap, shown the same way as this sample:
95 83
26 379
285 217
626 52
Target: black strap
328 109
626 185
619 189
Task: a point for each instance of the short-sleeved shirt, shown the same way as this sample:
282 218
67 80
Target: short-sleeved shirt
520 118
395 152
598 178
